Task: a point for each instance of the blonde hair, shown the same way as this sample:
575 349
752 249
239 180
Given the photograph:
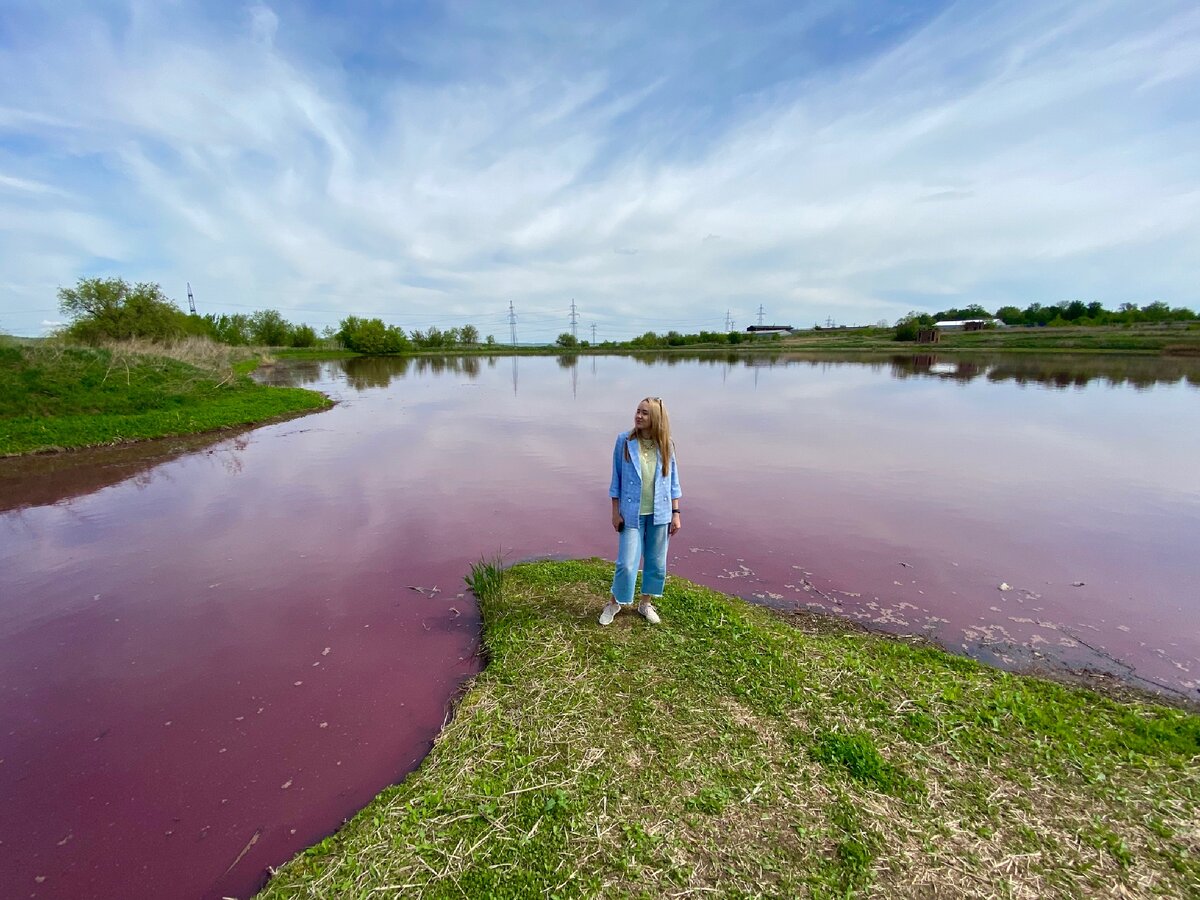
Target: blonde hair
660 431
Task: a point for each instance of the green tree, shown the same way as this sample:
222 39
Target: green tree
1009 315
109 309
567 340
908 328
303 336
974 311
1076 309
649 341
1155 312
1036 314
268 328
371 336
233 330
469 335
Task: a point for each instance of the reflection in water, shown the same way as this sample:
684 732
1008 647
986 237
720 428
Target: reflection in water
292 373
366 372
570 361
1058 371
45 479
1052 371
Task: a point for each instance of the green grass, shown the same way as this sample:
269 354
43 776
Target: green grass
62 397
1143 340
1178 340
731 753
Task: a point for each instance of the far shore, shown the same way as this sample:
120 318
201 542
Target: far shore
1178 341
180 393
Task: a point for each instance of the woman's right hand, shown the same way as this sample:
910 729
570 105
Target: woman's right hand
617 521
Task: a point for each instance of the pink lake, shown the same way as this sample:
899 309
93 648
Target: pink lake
213 652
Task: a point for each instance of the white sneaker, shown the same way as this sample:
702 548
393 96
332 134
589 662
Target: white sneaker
609 612
646 608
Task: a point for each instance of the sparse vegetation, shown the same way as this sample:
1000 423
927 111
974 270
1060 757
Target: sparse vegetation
732 753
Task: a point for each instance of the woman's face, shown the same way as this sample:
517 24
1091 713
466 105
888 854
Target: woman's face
641 417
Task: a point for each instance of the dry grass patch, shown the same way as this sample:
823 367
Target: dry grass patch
204 354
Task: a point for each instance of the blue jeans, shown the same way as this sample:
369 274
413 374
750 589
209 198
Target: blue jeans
638 541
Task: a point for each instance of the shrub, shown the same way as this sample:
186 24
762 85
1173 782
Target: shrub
110 309
372 336
303 336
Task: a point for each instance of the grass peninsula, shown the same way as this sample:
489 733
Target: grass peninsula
55 396
733 752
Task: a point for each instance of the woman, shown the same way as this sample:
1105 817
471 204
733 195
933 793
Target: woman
645 508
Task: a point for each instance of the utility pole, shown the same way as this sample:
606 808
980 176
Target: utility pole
574 319
760 315
512 322
593 332
728 321
191 300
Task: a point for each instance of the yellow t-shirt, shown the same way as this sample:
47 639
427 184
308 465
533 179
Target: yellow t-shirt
649 460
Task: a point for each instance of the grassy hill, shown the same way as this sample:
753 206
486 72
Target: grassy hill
54 396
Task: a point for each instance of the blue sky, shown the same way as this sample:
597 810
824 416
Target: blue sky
661 165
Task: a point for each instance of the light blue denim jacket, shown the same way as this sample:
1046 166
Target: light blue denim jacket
627 483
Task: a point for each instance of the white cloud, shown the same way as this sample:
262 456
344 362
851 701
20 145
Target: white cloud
999 154
23 185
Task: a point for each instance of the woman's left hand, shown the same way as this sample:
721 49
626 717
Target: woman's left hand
676 524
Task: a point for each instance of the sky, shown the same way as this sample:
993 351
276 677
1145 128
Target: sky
660 166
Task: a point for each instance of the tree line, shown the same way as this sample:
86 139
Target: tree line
103 309
654 341
112 309
1067 313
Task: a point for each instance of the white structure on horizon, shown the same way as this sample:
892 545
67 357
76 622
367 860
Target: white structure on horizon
965 324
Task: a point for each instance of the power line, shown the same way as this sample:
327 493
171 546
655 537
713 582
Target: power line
574 319
760 315
512 321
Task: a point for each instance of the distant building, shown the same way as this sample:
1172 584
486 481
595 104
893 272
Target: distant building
964 324
770 329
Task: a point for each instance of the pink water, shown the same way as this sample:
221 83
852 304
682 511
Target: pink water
212 655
